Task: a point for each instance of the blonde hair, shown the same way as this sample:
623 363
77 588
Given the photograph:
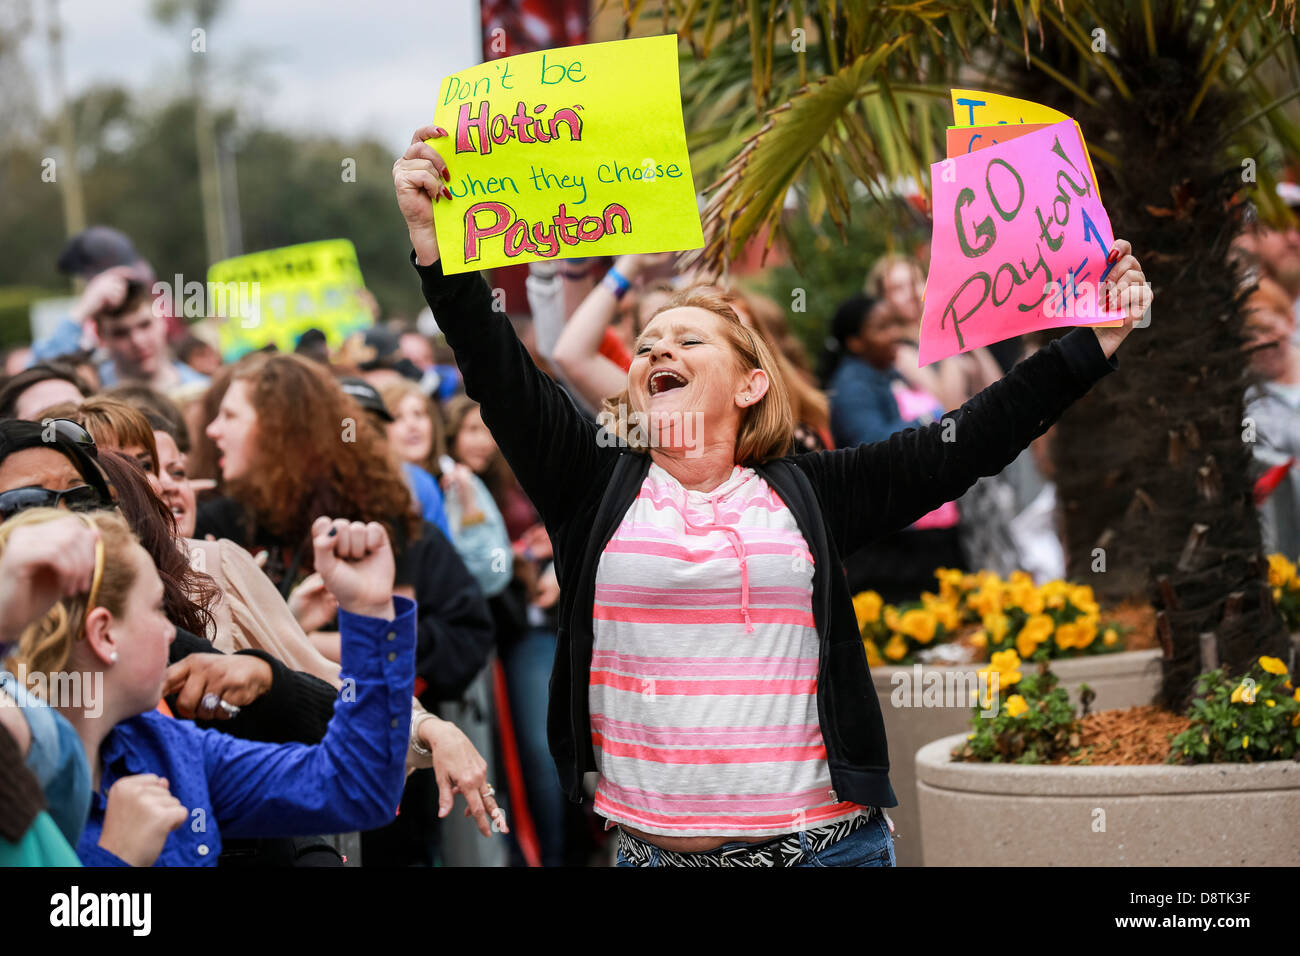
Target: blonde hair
46 644
874 285
767 427
808 402
394 393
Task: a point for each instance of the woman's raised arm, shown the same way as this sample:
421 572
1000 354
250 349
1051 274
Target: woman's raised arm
873 489
551 446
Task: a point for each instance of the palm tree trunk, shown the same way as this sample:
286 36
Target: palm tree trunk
1152 470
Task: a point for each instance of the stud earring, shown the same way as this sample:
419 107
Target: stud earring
113 657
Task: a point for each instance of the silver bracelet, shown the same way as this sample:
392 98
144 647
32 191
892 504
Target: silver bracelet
416 745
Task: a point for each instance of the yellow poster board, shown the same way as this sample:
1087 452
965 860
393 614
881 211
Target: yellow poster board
272 297
579 151
978 108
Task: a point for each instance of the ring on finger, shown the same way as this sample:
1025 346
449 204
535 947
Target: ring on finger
489 791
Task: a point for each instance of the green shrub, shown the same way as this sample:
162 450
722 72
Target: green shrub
1236 720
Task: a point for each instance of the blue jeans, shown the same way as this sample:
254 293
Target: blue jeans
871 845
527 663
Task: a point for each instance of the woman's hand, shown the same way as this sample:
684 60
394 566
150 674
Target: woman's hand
456 481
460 768
420 178
141 812
548 589
1125 288
356 562
236 679
535 543
41 565
312 604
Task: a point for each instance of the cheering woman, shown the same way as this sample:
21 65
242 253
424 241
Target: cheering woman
709 664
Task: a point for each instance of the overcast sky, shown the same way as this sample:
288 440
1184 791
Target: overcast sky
349 67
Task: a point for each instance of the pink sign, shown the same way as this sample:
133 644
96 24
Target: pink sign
1020 243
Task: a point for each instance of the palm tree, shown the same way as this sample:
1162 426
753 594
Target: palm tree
1173 96
199 14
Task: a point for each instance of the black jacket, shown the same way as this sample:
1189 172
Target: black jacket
582 486
296 709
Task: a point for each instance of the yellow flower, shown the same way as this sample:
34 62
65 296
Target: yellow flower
1270 702
1082 598
1039 628
1277 595
1111 637
1021 577
1054 593
918 624
1026 597
1006 665
996 625
1016 705
1067 636
1086 630
867 607
1280 571
1273 665
950 584
985 601
891 617
1025 644
1245 693
873 653
980 639
1006 661
896 648
945 612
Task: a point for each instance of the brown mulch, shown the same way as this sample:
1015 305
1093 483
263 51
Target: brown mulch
1140 617
1125 738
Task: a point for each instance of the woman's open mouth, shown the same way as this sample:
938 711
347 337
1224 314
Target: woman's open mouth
664 380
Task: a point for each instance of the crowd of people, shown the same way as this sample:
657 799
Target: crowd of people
317 604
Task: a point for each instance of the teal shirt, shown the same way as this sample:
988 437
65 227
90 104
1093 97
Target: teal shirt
42 845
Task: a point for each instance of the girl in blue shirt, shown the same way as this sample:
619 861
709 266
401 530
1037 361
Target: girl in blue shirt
175 789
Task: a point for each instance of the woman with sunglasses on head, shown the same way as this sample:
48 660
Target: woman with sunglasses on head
65 471
710 667
352 780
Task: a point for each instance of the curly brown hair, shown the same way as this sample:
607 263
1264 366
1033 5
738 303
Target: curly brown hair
315 453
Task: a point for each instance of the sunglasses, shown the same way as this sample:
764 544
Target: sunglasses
80 498
72 433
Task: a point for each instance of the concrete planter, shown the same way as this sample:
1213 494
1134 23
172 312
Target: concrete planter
980 814
1126 679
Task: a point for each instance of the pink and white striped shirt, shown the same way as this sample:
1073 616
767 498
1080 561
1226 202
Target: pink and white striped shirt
703 688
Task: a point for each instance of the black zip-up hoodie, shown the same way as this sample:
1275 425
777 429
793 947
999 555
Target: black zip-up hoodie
582 486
